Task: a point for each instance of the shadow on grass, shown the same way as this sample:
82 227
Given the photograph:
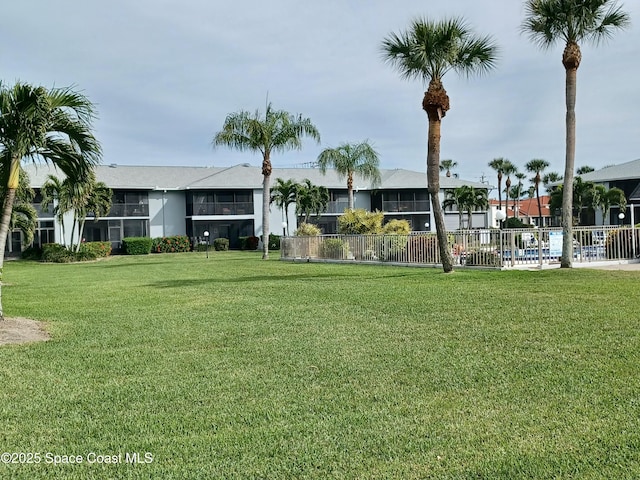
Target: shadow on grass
178 283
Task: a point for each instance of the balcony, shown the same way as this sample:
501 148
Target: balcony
406 206
129 210
241 208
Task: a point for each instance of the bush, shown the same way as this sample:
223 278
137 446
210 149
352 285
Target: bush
619 243
334 248
307 230
423 248
398 227
174 244
360 222
221 244
274 242
95 249
393 247
483 258
31 253
137 245
56 253
249 243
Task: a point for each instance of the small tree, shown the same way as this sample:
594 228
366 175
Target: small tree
283 194
348 159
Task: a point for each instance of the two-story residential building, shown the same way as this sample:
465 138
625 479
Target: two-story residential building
157 201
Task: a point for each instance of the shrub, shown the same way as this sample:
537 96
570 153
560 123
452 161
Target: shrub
398 227
174 244
274 242
619 243
221 244
95 249
334 248
360 222
32 253
393 247
249 243
307 230
137 245
483 258
423 248
56 253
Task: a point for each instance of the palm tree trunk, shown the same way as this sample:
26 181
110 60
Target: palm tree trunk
433 186
499 191
266 194
6 218
570 154
539 204
350 190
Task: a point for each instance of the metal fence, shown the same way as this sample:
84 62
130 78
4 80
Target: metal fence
473 248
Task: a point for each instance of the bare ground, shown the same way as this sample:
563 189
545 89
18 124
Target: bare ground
20 330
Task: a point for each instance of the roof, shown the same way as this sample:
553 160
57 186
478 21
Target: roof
237 176
624 171
529 207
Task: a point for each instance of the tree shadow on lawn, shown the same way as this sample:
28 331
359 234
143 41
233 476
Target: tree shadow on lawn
262 278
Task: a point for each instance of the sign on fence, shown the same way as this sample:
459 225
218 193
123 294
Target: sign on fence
555 244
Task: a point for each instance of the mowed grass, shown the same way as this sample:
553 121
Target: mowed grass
237 368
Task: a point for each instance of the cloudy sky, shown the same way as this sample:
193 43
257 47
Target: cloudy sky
165 73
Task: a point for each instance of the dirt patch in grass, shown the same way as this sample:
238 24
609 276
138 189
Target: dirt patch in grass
21 330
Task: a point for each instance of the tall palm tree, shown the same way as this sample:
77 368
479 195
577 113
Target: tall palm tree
283 194
537 166
276 131
508 169
447 165
427 50
348 159
53 125
572 22
520 176
498 165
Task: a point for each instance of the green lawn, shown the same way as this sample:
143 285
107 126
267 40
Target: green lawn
236 368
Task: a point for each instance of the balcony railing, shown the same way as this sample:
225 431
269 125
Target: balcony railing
406 206
238 208
129 210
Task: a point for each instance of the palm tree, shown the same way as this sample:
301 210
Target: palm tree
447 166
498 165
508 169
36 123
602 198
276 131
348 159
549 179
283 194
311 199
584 169
473 199
454 198
520 176
427 51
537 165
571 21
97 202
23 216
60 194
